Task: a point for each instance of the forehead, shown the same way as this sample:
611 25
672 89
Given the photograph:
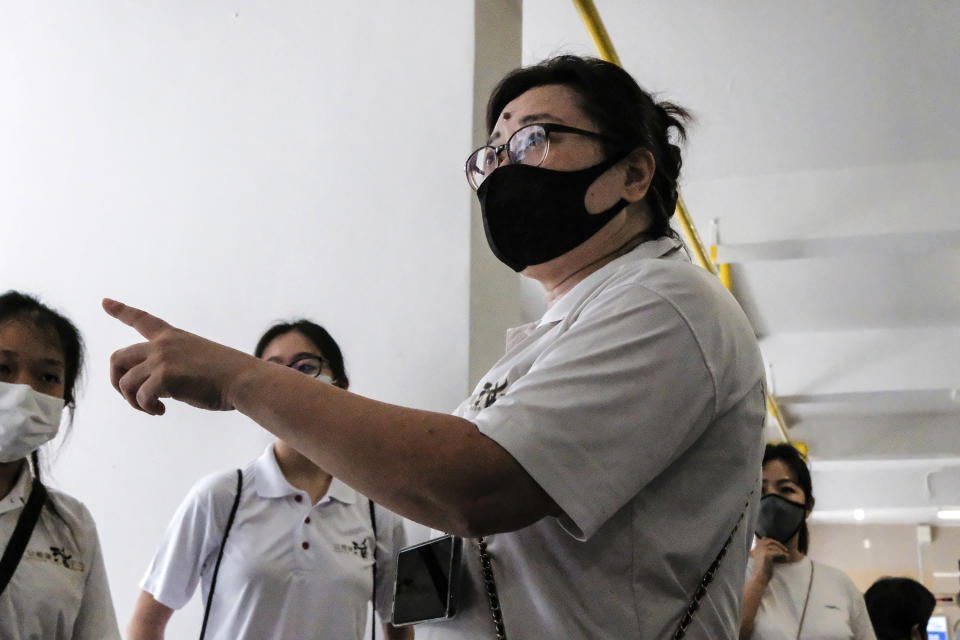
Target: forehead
777 470
289 344
27 340
546 103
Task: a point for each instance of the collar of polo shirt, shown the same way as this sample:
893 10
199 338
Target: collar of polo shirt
270 483
19 492
646 250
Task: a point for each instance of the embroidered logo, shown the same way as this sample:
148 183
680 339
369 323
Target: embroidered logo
358 549
488 394
58 556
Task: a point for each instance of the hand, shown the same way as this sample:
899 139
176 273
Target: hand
765 553
172 364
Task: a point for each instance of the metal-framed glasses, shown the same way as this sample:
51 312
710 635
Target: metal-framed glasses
528 145
308 365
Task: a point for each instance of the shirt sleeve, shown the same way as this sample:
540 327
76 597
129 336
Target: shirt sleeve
96 619
191 541
859 616
391 537
615 400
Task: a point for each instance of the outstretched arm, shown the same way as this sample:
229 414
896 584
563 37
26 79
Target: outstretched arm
433 468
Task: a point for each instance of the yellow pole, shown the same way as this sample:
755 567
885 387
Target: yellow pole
723 270
774 408
693 238
590 17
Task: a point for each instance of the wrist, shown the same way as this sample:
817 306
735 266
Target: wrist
241 382
761 576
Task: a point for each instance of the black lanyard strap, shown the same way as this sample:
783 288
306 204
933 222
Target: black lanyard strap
22 532
223 543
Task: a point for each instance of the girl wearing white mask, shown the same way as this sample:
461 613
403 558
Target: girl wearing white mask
287 550
52 579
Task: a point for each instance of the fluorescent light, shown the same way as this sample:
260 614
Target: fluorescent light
858 514
949 514
866 543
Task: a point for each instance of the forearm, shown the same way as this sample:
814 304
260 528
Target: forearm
149 620
752 594
433 468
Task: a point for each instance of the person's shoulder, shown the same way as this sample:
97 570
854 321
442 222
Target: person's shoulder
670 275
220 483
836 576
71 510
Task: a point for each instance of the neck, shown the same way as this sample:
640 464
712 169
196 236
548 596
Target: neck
9 472
300 471
556 288
622 234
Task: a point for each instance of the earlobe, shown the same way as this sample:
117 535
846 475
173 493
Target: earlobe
638 174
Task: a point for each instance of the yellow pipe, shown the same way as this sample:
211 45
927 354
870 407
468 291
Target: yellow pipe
725 277
723 270
693 238
774 408
590 17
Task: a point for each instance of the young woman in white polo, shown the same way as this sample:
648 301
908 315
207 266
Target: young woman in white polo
53 584
303 552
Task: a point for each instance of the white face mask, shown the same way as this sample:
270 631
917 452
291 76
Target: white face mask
324 378
28 419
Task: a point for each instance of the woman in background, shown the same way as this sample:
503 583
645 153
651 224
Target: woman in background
787 595
52 579
305 552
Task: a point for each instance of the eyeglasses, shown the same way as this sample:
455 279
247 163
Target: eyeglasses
308 365
528 145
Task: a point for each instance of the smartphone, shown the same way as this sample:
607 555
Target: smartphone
426 586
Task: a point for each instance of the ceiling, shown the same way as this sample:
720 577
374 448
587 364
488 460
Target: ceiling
825 163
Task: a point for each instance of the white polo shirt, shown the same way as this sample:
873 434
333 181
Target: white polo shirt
835 610
636 403
290 570
59 590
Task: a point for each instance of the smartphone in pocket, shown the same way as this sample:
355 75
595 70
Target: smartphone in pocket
426 586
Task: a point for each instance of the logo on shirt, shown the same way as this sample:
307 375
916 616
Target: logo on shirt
58 556
358 549
488 394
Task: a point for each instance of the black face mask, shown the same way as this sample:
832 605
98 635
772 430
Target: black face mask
779 518
532 215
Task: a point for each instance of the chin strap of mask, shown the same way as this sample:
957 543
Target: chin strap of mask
701 589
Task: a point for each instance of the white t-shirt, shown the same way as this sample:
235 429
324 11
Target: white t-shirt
636 403
59 590
835 611
290 569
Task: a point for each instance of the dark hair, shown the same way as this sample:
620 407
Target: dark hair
627 114
788 454
20 306
316 334
896 605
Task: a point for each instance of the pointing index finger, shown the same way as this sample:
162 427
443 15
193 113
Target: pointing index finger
146 324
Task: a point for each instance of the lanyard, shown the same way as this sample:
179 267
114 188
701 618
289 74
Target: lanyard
21 533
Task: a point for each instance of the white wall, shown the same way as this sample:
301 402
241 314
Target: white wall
224 165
